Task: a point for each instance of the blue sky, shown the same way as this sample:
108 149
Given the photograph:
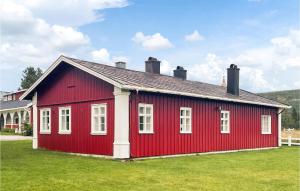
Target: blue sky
205 37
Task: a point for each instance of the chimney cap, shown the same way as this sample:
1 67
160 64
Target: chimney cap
152 59
234 66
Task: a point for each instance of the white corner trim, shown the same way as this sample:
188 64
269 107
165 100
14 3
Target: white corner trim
279 127
58 62
121 132
35 122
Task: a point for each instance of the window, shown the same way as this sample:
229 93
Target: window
45 120
98 126
266 124
225 122
185 120
65 120
145 118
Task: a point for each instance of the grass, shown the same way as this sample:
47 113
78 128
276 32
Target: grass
25 169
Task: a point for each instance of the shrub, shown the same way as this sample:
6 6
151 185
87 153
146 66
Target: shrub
8 130
27 130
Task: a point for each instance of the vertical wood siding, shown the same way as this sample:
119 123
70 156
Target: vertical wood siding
68 86
245 126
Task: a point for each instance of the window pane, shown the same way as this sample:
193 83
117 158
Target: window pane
141 119
187 113
148 119
188 121
148 110
141 126
96 110
63 123
63 112
141 110
103 120
102 110
148 127
102 127
181 121
67 123
96 124
182 113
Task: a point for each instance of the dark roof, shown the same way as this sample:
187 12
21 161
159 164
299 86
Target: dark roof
13 104
164 83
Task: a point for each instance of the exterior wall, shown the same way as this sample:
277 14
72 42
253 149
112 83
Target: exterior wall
18 94
245 126
69 86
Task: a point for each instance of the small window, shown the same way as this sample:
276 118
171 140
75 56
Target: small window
65 120
98 125
225 121
266 124
145 118
185 120
45 121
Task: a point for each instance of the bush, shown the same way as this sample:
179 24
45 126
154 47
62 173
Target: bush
8 130
27 130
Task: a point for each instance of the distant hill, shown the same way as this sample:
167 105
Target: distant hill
290 117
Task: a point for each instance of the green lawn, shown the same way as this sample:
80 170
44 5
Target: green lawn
25 169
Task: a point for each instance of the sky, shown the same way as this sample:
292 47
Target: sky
261 36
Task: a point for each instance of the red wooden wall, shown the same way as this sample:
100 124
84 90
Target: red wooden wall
68 86
245 126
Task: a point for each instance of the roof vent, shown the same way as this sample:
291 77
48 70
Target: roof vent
121 65
152 65
233 74
180 72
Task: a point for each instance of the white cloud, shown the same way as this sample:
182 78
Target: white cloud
152 42
69 12
32 34
101 55
262 69
194 36
165 67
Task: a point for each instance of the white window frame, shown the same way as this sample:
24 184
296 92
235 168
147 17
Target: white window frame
225 119
268 123
144 115
42 130
62 131
183 127
99 106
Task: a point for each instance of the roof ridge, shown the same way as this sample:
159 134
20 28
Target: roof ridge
143 72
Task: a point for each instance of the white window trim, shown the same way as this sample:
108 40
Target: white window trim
152 125
42 131
184 131
228 112
92 121
269 125
60 131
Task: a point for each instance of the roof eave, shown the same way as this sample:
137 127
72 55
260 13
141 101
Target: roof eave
201 96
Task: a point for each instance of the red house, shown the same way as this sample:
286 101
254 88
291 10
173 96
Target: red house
90 108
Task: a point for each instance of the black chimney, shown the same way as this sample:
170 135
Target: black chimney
120 64
152 65
233 80
180 72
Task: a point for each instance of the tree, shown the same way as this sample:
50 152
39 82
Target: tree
30 75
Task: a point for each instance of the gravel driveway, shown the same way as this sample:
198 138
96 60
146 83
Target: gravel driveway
14 138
